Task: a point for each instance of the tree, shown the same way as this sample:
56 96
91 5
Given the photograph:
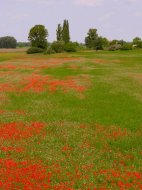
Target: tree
92 38
38 36
66 32
93 41
59 32
101 43
122 42
114 42
8 42
137 42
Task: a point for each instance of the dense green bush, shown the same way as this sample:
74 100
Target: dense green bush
49 51
126 46
58 46
137 42
71 47
33 50
81 46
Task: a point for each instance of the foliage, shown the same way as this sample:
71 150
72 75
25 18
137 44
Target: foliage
91 39
126 46
114 47
50 50
58 46
71 47
33 50
137 42
23 44
38 36
119 45
101 43
121 42
66 32
8 42
81 46
59 32
113 42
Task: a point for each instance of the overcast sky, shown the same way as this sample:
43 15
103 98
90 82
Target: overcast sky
114 19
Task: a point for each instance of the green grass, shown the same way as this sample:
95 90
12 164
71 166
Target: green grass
101 127
61 72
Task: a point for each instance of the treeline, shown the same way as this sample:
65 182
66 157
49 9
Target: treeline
96 42
38 40
8 42
23 44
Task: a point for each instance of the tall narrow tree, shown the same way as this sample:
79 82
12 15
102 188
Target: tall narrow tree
92 38
66 32
59 32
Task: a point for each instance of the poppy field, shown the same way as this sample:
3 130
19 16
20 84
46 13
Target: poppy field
71 121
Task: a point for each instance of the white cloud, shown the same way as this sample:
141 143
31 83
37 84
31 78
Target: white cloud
91 3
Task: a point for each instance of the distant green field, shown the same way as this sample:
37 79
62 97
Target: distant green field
71 121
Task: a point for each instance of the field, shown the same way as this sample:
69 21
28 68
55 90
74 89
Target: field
71 121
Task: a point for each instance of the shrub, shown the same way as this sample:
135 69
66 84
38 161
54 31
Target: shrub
71 47
58 46
81 46
126 46
50 51
114 47
33 50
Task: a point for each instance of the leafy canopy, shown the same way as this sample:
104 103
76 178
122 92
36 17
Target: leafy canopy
38 36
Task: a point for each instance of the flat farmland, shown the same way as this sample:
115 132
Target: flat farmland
71 121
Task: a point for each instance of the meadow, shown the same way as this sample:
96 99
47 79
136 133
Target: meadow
71 121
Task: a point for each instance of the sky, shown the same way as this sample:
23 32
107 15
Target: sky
114 19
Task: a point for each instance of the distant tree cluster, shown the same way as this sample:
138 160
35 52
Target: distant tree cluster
38 41
123 45
23 44
120 45
8 42
94 41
